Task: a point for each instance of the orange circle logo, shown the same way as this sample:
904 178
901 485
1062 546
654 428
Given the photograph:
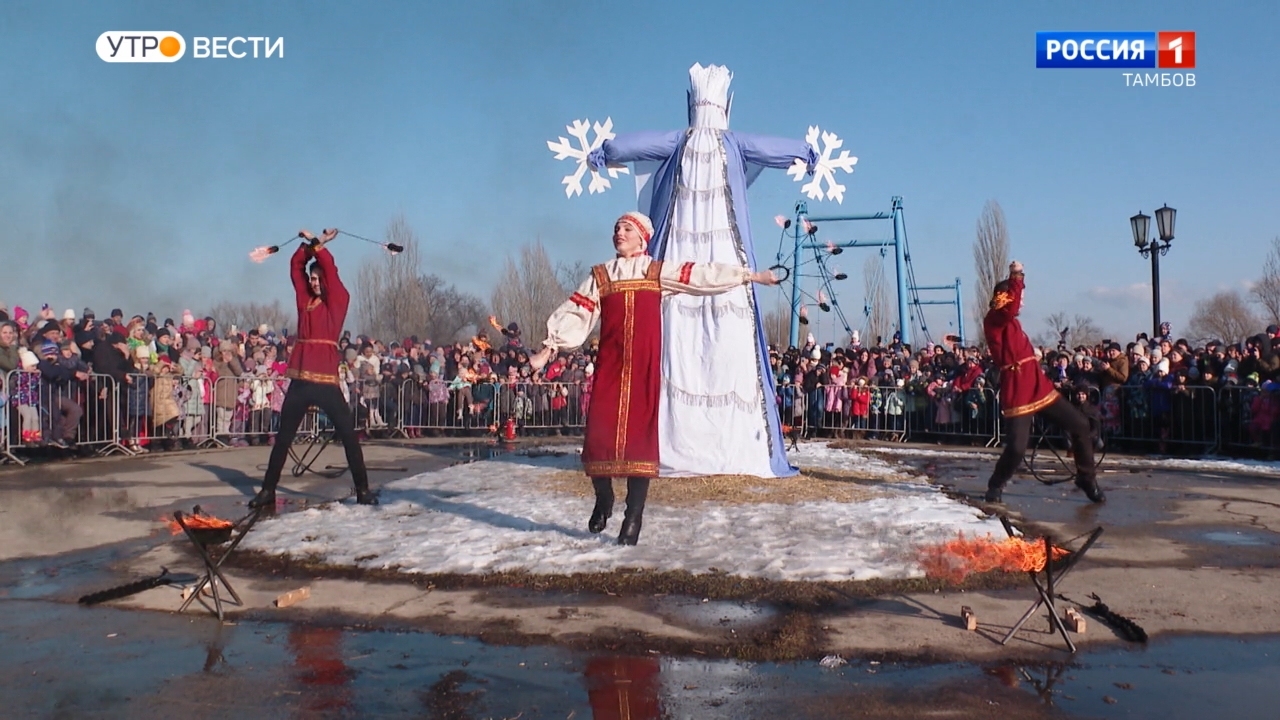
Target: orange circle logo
170 46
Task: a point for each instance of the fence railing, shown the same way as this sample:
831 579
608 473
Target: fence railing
169 410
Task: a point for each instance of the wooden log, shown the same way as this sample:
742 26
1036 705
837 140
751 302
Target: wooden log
1074 621
970 620
293 596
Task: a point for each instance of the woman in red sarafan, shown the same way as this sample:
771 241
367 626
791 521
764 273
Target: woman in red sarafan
625 295
1025 391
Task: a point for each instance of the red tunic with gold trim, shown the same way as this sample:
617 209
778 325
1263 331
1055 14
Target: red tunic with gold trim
625 294
315 353
1024 388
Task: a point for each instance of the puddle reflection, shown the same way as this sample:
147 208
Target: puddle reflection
624 688
320 670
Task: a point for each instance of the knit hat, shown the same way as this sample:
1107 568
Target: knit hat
88 313
206 352
28 359
50 326
188 319
1163 366
117 312
263 329
816 354
143 352
48 348
68 314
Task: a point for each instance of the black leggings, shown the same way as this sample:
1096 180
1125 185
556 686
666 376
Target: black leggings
1066 417
301 396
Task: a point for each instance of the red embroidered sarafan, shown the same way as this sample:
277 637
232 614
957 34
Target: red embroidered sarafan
622 424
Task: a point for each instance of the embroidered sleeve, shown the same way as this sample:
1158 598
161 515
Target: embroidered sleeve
572 322
702 278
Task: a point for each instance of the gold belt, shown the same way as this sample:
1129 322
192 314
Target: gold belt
322 342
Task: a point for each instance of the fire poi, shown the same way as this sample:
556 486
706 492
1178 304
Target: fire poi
260 254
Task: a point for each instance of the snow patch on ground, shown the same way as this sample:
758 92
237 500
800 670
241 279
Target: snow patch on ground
495 515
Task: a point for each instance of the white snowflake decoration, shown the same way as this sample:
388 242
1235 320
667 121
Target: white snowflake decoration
826 167
564 148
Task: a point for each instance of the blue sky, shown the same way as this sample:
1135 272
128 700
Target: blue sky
145 186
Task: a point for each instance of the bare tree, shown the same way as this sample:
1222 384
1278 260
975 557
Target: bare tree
391 301
572 274
247 315
1266 292
990 257
1225 316
453 313
528 292
777 326
880 315
394 301
1069 331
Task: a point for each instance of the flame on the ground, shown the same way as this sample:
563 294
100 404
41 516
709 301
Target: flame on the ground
956 559
198 522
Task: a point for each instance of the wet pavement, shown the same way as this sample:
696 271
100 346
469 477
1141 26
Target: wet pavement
59 660
68 530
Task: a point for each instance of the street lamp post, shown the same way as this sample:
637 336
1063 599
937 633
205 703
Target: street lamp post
1141 225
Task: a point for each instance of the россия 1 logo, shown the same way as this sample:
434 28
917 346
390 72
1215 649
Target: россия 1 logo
168 46
1167 50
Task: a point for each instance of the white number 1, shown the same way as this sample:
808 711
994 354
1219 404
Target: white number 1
1176 46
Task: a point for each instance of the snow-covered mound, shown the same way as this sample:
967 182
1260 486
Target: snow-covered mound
495 515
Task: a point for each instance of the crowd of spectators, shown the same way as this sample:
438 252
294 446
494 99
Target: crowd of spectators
170 384
1159 394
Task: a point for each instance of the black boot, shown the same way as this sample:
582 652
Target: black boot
365 496
265 499
604 504
630 534
995 494
1091 490
637 492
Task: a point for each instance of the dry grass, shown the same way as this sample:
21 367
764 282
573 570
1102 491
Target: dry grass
811 485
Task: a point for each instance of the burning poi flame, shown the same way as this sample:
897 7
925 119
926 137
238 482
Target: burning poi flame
260 254
198 522
809 227
493 322
956 559
782 221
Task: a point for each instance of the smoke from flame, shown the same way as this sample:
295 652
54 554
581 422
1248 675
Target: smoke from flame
260 254
198 522
956 559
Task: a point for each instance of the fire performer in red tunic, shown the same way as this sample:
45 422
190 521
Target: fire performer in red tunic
313 366
1025 391
625 295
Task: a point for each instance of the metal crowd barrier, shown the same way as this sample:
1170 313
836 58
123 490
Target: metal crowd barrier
1162 419
895 414
170 410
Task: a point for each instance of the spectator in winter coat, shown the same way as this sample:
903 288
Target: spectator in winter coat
9 360
59 384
